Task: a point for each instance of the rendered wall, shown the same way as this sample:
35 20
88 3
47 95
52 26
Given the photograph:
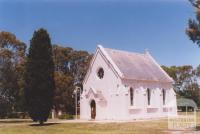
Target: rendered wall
116 97
109 86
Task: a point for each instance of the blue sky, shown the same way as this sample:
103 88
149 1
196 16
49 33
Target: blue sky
132 25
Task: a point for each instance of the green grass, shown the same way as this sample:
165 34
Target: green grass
139 127
85 128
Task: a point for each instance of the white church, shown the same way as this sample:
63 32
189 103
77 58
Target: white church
122 85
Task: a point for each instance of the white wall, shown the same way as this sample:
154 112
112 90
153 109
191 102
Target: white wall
141 109
109 86
116 103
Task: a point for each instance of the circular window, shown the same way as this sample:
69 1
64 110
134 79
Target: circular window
100 73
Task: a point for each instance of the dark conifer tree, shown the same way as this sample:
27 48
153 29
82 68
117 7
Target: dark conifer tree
39 77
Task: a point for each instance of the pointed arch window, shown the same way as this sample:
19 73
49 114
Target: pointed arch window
164 96
131 96
149 96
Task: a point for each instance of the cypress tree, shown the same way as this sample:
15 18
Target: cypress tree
39 77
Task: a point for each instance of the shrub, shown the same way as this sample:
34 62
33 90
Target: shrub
19 115
66 116
5 108
13 115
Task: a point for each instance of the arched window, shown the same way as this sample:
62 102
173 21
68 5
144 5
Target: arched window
149 96
131 96
164 96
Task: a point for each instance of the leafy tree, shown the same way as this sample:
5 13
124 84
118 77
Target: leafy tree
193 32
12 57
192 91
181 75
39 77
70 69
79 64
185 81
63 93
4 107
63 80
193 29
62 56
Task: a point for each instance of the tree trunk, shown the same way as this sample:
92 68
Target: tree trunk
41 122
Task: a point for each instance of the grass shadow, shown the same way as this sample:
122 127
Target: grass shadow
45 124
198 128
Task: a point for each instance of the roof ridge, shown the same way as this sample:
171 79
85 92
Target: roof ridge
128 52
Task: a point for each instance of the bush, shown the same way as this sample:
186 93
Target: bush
13 115
19 115
5 108
66 116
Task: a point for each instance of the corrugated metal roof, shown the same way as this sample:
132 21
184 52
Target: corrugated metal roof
138 66
186 102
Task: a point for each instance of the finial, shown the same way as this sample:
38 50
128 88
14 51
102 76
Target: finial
146 51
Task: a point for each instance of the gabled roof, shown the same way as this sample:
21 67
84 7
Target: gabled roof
135 66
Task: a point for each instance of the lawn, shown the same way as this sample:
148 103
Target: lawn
85 128
139 127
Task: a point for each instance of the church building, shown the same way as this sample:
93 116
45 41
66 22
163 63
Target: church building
121 85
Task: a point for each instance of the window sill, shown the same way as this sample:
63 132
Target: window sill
134 107
152 107
167 106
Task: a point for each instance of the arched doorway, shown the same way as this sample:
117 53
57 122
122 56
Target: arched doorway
93 109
